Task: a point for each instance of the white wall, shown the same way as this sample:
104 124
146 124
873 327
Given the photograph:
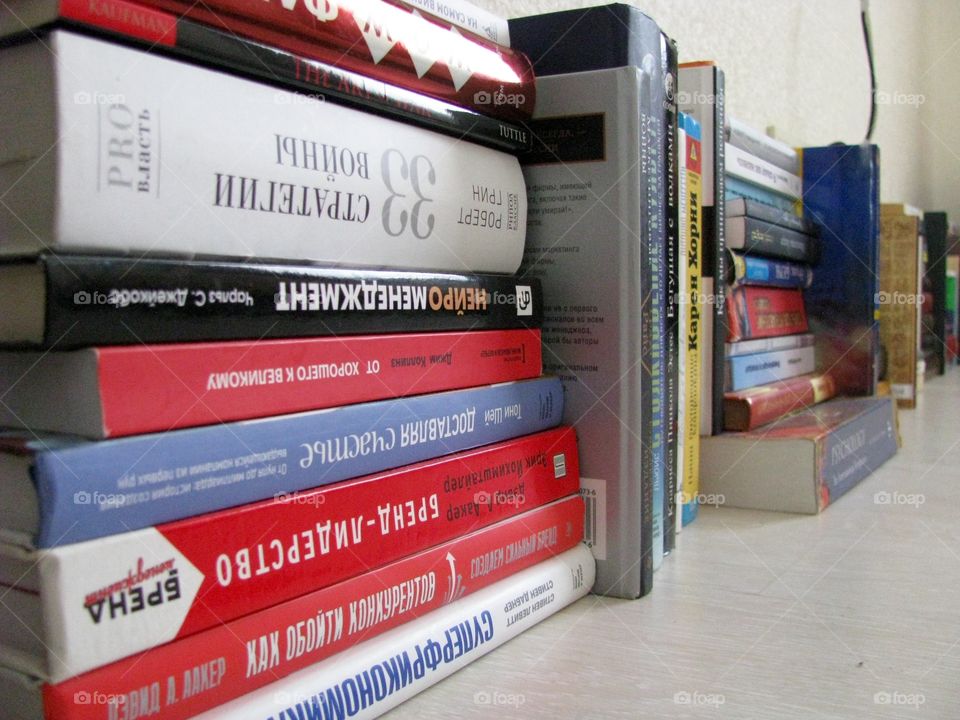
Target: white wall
800 66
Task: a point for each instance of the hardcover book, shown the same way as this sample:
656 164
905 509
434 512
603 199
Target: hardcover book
755 270
762 312
752 141
231 659
594 260
63 490
737 189
182 385
772 215
762 238
172 33
935 228
71 301
805 461
315 182
748 167
754 407
780 342
745 371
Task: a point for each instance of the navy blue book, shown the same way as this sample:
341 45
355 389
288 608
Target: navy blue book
841 193
936 227
63 490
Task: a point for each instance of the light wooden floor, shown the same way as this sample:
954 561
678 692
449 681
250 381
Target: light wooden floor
852 614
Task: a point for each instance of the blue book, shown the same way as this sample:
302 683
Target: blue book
84 489
736 188
841 192
756 270
744 371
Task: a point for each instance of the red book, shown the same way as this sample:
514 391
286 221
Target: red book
115 391
381 40
183 678
748 409
227 564
758 312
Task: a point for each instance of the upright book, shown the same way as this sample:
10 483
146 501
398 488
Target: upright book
130 390
177 680
168 157
72 301
172 33
936 227
615 134
65 490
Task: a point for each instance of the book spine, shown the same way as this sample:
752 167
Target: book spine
673 308
691 339
899 314
854 450
181 385
759 312
371 192
756 407
205 43
754 270
745 166
259 649
783 342
737 189
468 16
745 371
756 236
771 214
385 41
94 300
90 490
773 151
424 651
277 550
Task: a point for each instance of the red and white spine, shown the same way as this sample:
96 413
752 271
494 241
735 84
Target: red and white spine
154 388
108 598
761 312
180 679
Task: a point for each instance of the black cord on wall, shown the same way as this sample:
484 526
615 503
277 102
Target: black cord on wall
865 23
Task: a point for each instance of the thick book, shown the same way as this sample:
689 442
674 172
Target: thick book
900 297
168 32
469 16
702 95
756 270
691 317
67 490
772 215
936 228
737 189
751 140
267 552
762 312
805 461
779 342
594 260
234 658
129 390
842 194
746 371
754 236
754 407
72 301
748 167
167 157
375 38
422 652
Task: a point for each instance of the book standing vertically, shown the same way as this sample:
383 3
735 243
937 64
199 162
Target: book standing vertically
702 96
316 182
600 136
842 194
935 231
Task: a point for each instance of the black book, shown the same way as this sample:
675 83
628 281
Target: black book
771 214
761 238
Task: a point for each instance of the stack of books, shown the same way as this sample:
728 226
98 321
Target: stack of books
272 386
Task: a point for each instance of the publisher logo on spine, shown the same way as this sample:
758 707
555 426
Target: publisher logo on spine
524 300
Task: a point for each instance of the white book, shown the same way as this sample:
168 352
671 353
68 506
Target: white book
379 674
126 151
739 163
468 16
763 146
